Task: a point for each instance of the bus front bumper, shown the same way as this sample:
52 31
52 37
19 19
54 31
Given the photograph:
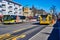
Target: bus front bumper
45 22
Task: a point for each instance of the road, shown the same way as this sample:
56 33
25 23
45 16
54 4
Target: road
31 32
28 29
12 27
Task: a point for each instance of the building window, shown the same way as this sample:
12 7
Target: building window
10 7
19 9
15 9
0 6
10 12
3 10
3 4
0 11
9 3
15 12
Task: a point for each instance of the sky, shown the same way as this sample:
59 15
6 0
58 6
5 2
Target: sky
40 4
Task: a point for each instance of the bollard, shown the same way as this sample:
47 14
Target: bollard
52 22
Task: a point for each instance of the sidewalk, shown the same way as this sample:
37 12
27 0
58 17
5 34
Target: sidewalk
42 35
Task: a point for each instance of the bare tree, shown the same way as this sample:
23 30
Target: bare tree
53 10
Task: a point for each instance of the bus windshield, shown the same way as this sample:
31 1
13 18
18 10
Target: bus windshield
44 17
7 17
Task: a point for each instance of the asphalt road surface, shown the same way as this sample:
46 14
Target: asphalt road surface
12 27
31 29
31 32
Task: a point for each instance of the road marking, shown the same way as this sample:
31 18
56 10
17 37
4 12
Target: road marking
5 36
20 36
11 38
16 37
22 29
19 30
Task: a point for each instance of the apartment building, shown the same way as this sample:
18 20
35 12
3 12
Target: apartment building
8 7
27 12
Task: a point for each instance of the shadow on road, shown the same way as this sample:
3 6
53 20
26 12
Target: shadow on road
36 23
46 33
12 23
39 24
55 32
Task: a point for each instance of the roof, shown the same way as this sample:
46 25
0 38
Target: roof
13 2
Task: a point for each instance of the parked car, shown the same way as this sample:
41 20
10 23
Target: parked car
35 17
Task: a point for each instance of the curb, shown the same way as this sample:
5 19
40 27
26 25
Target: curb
42 35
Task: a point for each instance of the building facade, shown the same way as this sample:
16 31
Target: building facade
8 7
41 12
28 12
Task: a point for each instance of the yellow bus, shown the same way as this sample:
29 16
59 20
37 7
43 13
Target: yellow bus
45 19
8 19
12 19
